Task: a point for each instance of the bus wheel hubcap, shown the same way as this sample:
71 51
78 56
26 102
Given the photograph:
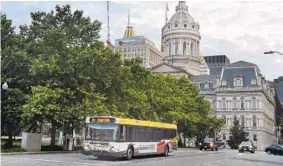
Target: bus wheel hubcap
130 153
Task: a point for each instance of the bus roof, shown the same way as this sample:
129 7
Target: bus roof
134 122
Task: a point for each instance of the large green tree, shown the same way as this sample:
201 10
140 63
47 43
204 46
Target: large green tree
14 71
64 51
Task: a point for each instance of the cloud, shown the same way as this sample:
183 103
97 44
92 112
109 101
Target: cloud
240 30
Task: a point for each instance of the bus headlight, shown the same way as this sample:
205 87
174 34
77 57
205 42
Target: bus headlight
112 149
86 147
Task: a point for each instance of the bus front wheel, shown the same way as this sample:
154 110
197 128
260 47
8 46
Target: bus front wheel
130 153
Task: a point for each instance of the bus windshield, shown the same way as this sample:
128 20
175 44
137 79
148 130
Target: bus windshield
101 132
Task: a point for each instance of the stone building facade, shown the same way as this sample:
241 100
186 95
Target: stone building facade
241 93
235 91
132 46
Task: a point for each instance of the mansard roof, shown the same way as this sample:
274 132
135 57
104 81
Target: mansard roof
203 78
242 64
177 69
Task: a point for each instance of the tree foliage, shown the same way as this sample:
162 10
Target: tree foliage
238 135
14 71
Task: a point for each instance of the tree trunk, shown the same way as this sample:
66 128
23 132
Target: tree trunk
10 137
53 132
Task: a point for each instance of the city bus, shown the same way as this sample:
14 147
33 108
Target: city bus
107 136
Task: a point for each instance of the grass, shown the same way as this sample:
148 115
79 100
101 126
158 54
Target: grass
16 147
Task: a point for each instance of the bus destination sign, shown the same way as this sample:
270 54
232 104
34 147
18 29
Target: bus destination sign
101 120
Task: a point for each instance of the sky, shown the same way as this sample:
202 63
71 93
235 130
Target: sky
241 30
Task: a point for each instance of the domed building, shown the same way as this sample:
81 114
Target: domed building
180 45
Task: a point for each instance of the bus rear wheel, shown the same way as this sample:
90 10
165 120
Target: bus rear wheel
129 153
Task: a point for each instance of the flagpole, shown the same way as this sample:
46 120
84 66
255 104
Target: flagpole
166 10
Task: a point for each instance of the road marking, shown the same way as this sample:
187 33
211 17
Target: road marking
55 161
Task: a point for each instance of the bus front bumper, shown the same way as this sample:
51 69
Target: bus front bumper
99 153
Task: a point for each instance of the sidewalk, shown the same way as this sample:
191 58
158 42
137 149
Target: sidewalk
39 152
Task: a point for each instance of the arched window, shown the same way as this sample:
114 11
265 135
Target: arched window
168 26
176 25
176 47
242 103
254 121
193 26
185 25
184 48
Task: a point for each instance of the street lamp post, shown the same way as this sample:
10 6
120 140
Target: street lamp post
272 52
5 86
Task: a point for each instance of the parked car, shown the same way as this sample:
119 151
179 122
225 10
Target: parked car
247 146
208 143
275 149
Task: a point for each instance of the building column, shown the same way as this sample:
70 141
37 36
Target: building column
189 48
195 43
194 48
172 47
180 49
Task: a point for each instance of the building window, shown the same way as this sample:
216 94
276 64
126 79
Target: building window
254 138
206 86
228 104
242 103
168 26
223 103
224 118
214 105
176 25
242 120
176 47
254 121
185 25
193 26
253 81
170 46
224 137
235 102
258 104
238 81
253 103
224 83
235 118
184 48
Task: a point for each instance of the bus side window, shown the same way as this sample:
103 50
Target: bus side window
129 133
122 136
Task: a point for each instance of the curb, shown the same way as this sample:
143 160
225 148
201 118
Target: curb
40 152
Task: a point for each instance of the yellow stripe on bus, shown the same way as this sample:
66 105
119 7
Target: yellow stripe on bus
135 122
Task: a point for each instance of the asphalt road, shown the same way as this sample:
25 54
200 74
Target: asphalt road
182 157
